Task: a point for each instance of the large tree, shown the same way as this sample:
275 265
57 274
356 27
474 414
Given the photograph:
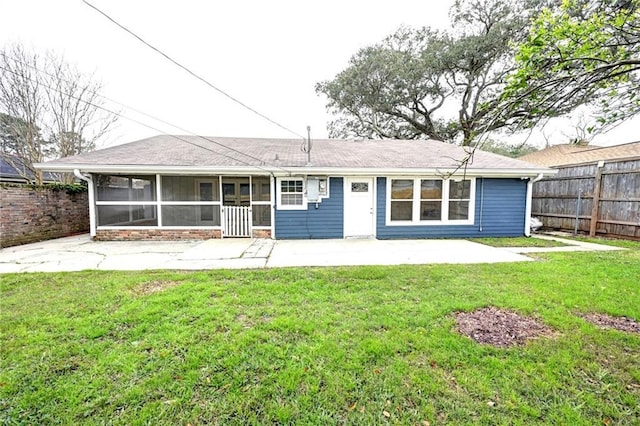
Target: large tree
49 109
22 101
407 85
584 53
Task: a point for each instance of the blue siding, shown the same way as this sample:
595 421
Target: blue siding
503 213
327 221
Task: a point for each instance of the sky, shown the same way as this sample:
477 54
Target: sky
267 54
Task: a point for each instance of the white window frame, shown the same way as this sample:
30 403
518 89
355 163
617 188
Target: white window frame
415 221
279 194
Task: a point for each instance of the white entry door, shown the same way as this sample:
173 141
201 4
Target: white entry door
358 207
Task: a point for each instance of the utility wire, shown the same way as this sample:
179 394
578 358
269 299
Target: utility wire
154 128
202 79
149 116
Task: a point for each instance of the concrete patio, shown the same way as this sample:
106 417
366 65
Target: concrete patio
80 253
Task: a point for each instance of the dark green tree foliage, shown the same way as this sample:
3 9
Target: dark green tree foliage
508 150
408 85
586 52
390 90
8 136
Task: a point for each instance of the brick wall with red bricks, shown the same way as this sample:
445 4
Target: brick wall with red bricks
30 214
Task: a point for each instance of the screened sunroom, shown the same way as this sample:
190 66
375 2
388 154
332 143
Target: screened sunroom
236 205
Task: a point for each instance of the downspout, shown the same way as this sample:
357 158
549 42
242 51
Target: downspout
92 204
273 206
527 213
481 202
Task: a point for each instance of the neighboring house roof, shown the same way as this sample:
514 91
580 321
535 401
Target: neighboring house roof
8 173
559 155
198 155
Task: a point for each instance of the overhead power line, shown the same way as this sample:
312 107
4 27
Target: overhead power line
202 79
155 128
207 138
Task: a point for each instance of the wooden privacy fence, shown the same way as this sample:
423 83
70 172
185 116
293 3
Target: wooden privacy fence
601 198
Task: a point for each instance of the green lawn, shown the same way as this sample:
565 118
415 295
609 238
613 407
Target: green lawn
361 345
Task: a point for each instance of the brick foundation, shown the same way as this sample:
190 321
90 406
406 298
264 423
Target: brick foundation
30 214
155 234
166 234
261 233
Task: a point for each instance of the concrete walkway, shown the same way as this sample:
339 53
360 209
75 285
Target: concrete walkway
570 245
80 253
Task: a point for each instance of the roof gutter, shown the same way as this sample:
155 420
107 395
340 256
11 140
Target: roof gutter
289 171
528 202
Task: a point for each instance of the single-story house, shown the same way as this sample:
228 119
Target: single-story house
170 187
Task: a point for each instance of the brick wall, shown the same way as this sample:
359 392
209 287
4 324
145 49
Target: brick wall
30 214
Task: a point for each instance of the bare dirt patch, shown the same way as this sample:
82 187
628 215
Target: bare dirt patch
151 287
499 327
248 322
610 322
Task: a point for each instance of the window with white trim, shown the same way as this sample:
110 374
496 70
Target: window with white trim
291 194
428 201
459 198
401 199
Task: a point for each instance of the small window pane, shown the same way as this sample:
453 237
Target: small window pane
127 216
431 189
401 210
359 187
430 210
228 189
261 215
460 190
291 199
192 215
458 210
401 189
291 186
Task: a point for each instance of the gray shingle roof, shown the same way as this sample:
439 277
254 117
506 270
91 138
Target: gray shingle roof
559 155
194 151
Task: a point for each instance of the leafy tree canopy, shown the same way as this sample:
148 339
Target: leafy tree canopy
586 52
508 150
422 83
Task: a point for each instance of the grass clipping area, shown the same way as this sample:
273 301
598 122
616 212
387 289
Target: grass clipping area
361 345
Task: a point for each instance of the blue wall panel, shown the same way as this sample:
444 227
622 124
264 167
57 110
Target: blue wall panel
327 221
503 213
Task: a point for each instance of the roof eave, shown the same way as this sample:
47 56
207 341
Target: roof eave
455 171
287 171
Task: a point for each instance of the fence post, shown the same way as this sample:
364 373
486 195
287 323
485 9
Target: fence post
578 204
596 200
